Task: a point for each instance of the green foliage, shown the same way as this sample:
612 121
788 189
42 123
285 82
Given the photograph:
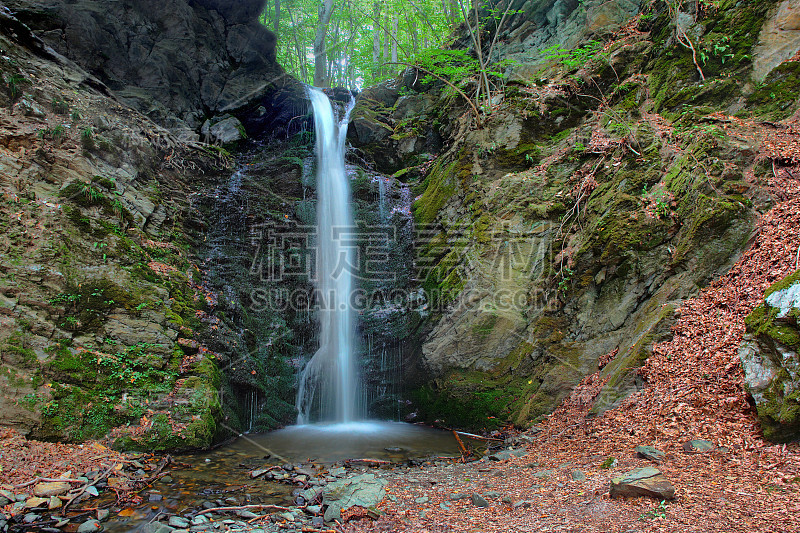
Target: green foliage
660 512
59 106
87 138
349 39
14 86
575 58
456 66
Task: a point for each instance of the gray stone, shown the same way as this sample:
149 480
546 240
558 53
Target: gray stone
30 108
458 496
785 300
364 490
247 515
89 526
646 481
577 475
504 455
422 499
179 522
698 446
478 500
650 453
223 130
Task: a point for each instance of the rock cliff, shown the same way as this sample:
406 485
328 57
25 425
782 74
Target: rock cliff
603 189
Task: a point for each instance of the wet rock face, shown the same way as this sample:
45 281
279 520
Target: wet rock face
770 356
170 59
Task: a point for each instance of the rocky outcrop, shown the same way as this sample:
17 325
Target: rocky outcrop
541 25
770 355
779 39
176 61
100 288
561 237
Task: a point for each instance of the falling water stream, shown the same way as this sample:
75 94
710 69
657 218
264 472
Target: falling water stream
330 381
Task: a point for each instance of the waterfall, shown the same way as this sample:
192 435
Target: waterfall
329 382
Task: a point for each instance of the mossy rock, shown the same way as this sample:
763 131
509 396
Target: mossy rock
770 356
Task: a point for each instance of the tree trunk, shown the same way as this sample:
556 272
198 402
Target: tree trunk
414 35
395 22
376 38
277 17
320 55
386 40
301 59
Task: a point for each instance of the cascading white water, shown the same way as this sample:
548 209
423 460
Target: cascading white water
329 381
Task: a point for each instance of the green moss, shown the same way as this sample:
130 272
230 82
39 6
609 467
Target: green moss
439 186
484 328
776 98
763 319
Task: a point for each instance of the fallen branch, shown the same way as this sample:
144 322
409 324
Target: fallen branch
474 436
375 462
464 451
83 490
243 508
48 480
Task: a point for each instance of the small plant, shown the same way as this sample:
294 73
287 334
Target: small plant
610 462
87 138
60 106
566 276
14 86
659 512
76 116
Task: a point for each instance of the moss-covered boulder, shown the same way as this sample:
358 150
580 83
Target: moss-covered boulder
771 361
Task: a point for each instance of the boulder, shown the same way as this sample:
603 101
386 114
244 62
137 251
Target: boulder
650 453
646 481
364 490
770 357
223 130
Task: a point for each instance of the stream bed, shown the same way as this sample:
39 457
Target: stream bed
222 477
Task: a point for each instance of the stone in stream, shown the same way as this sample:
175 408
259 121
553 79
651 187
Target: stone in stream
259 472
32 503
54 488
650 453
647 481
364 490
54 503
478 500
89 526
179 522
698 446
